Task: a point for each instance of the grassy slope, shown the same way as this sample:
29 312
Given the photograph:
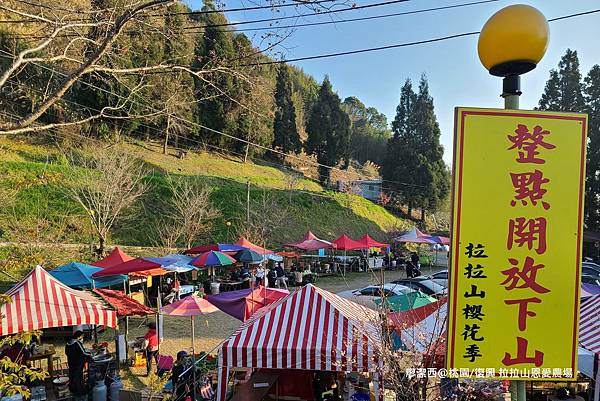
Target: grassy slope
43 212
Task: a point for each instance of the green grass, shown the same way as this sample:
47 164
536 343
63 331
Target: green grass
38 177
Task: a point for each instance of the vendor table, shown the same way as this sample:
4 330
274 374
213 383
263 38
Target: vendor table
247 391
187 289
47 355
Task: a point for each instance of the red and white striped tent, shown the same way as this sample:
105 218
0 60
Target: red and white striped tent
40 301
311 329
589 324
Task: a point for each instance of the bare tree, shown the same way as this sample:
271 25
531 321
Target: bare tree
267 215
110 182
189 212
291 182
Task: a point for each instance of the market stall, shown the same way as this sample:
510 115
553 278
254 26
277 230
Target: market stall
242 304
79 276
40 301
115 257
309 330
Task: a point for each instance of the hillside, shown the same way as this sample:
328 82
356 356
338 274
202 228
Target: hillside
35 208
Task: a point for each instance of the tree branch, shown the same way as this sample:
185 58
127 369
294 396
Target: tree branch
107 42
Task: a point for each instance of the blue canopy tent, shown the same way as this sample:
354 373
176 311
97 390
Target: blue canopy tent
79 275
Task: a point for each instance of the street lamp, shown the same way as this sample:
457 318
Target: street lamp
512 42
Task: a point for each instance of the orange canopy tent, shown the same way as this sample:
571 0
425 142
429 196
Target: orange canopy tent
247 244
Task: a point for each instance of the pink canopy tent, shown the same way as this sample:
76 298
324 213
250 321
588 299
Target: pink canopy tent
311 243
415 236
247 244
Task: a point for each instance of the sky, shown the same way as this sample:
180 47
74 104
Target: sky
456 77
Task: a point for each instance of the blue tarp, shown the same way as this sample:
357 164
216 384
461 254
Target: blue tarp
181 263
79 275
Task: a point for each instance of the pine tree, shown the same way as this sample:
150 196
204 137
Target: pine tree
564 90
400 162
286 138
414 163
369 133
214 48
592 188
328 130
434 182
551 97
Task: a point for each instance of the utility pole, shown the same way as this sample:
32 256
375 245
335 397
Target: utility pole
248 202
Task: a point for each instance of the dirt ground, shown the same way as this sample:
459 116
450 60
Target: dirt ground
213 328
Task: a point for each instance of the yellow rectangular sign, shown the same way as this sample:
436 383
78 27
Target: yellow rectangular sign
516 244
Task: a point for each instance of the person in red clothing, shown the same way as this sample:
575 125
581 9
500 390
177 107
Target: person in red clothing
151 342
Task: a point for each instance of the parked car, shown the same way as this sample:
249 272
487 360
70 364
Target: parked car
590 268
440 278
590 279
366 295
423 284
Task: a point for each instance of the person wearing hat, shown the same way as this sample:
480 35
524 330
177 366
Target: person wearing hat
180 376
77 356
151 342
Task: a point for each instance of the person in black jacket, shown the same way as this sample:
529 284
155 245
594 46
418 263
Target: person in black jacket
76 358
180 375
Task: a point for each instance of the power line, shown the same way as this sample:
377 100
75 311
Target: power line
306 58
296 3
365 6
407 44
189 13
202 29
363 18
193 140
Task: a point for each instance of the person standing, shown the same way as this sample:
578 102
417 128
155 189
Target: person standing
414 259
151 342
260 275
180 375
281 281
77 356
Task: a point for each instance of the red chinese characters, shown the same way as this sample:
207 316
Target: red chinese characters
529 188
527 143
524 278
529 232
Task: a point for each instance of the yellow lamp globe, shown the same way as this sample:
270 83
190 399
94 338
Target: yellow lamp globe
513 41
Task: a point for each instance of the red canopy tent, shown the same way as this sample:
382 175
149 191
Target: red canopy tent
367 242
123 304
139 266
247 244
311 329
40 301
345 243
114 258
